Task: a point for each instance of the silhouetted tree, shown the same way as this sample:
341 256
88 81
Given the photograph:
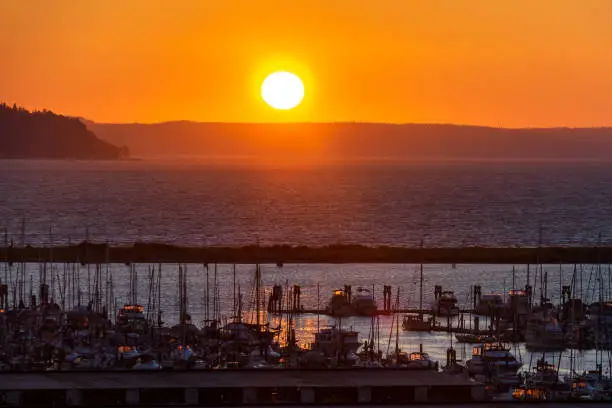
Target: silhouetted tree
43 134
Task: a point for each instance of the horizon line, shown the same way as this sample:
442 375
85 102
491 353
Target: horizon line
398 124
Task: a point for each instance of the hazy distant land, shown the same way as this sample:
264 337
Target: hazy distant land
25 134
357 140
46 135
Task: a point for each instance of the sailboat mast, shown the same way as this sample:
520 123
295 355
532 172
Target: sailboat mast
234 283
421 292
257 282
215 298
598 350
420 287
207 307
239 305
318 307
397 324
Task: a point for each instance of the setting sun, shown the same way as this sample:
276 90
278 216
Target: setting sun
282 90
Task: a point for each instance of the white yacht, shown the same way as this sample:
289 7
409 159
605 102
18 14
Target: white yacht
363 302
333 342
492 357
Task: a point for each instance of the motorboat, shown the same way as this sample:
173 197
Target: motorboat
446 304
421 361
584 390
490 304
131 318
416 322
334 342
128 352
492 358
543 373
531 393
363 302
339 304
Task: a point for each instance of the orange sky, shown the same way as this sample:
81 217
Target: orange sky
493 62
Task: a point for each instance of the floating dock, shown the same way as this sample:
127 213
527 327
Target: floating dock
236 387
427 312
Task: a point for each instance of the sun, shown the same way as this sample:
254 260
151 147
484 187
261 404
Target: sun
282 90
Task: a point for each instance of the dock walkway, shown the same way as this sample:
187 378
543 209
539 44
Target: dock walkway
236 387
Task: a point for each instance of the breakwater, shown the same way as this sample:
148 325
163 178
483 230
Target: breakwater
162 253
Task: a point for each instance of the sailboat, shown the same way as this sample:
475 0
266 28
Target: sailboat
414 321
371 355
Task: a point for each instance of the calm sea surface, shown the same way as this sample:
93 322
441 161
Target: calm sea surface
190 202
196 202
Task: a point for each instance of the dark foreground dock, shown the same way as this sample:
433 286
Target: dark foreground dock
161 253
236 387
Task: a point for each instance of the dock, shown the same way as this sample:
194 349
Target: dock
241 387
380 312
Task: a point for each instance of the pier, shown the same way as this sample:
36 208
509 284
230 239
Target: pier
381 312
236 387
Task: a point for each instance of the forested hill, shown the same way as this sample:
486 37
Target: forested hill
358 140
46 135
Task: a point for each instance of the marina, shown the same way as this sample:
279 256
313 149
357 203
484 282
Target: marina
168 318
283 204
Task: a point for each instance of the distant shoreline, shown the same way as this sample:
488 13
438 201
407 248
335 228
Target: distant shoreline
160 253
71 159
346 140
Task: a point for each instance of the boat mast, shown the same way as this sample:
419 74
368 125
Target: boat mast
421 293
397 323
207 306
318 308
599 350
257 284
420 286
216 314
6 262
234 283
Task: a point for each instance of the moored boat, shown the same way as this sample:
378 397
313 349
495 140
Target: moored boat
490 304
543 332
445 304
421 361
492 357
363 302
334 342
339 304
416 322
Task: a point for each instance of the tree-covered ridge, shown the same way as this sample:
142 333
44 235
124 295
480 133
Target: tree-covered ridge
46 135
